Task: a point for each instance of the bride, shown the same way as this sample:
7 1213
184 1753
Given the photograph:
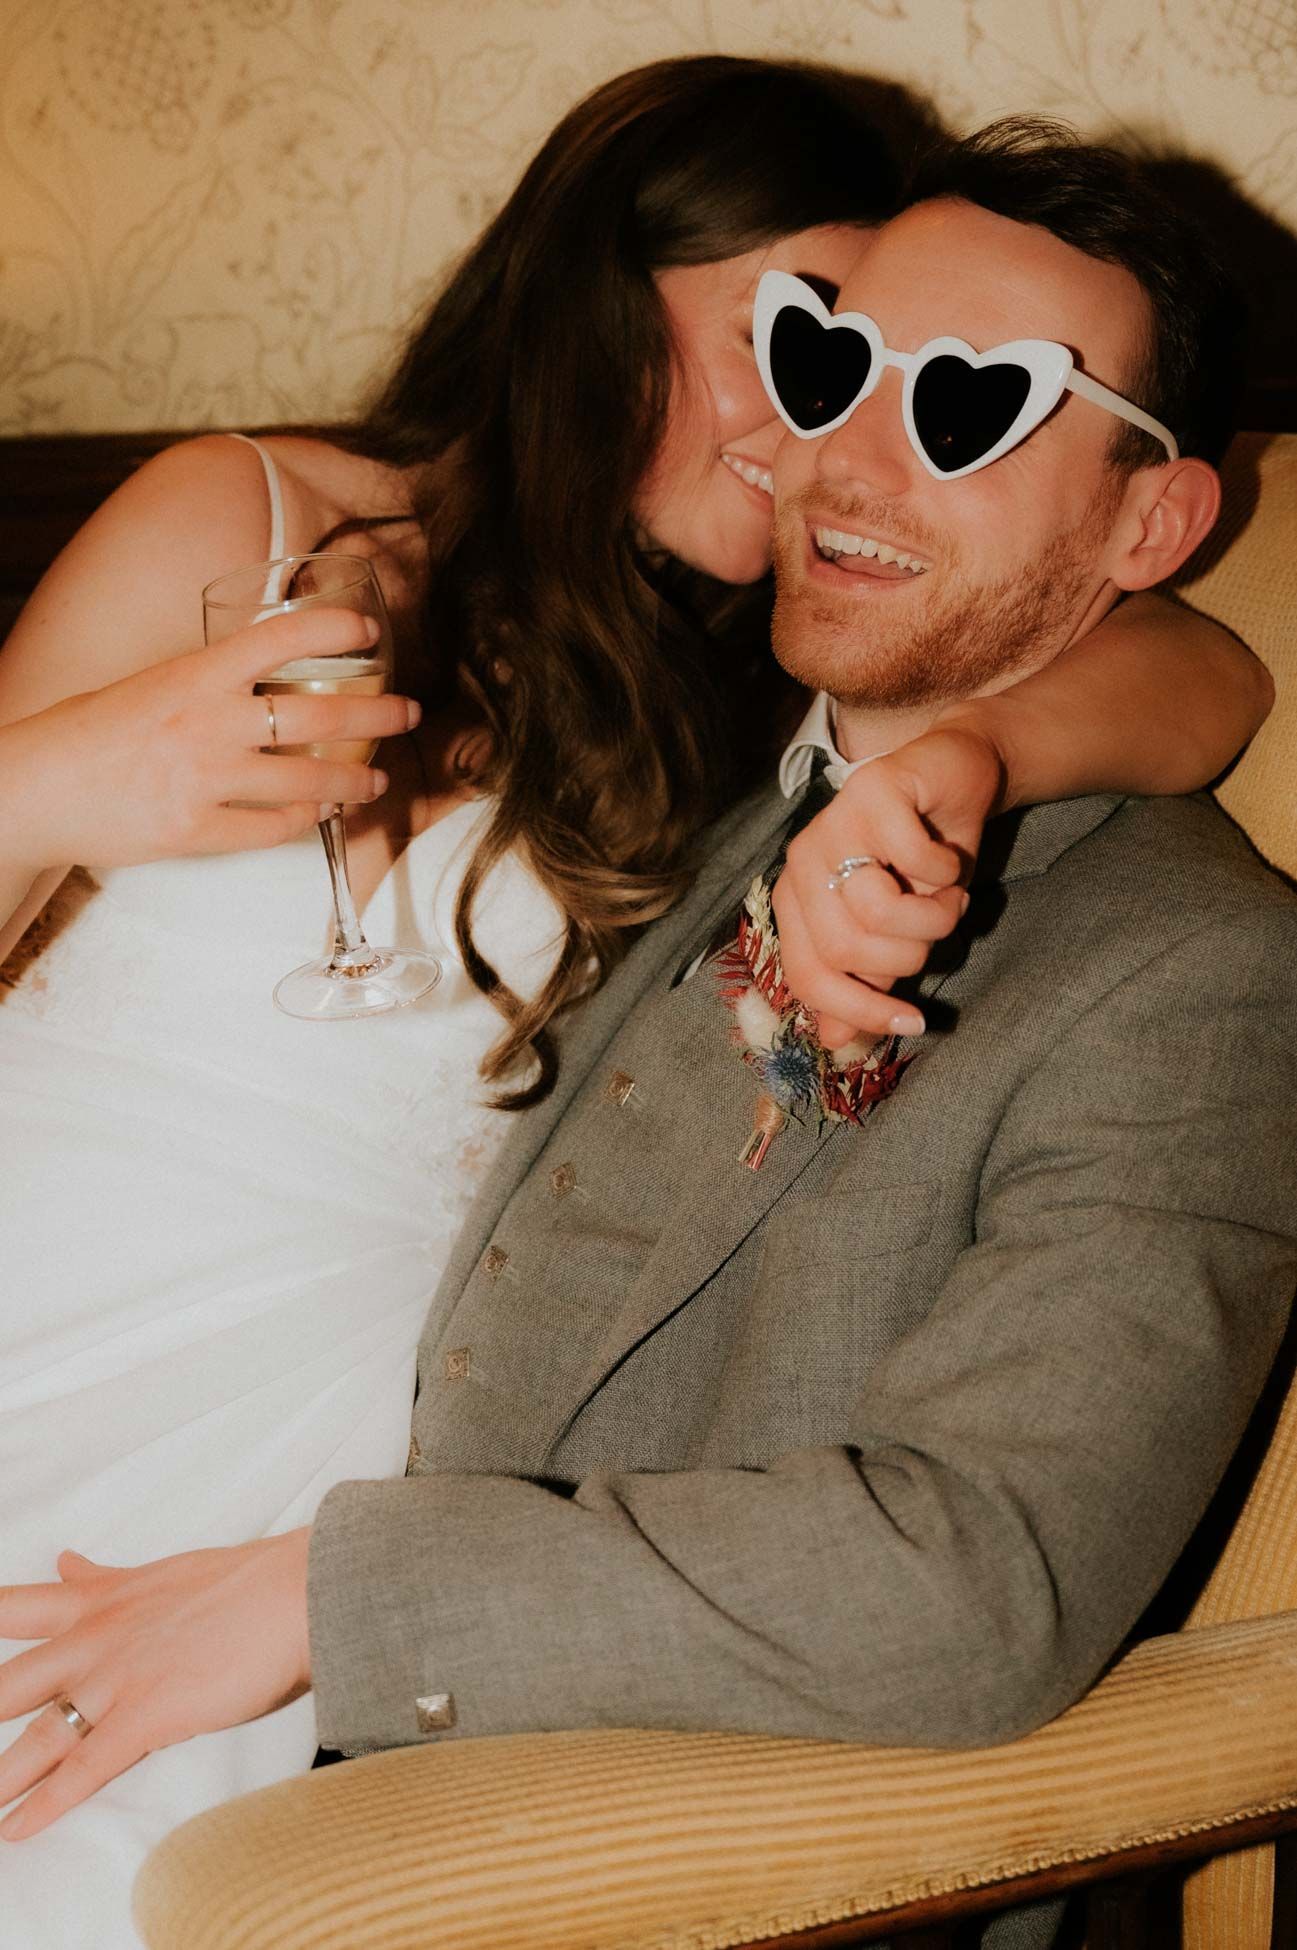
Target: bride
223 1226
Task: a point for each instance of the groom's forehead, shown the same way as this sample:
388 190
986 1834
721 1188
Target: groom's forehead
952 269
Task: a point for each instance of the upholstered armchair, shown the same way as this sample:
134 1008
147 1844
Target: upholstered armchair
1162 1788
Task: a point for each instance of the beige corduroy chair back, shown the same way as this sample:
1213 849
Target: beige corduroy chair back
1248 579
1246 575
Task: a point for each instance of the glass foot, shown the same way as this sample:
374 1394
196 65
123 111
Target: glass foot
316 992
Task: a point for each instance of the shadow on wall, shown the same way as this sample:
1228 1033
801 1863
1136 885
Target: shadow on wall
1261 254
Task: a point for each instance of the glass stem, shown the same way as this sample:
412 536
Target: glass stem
352 954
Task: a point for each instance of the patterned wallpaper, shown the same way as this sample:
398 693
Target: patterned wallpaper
223 211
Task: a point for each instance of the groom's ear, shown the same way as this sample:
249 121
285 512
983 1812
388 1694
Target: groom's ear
1164 514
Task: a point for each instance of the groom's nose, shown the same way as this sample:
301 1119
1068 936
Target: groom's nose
870 450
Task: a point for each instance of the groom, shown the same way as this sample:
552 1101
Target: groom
893 1437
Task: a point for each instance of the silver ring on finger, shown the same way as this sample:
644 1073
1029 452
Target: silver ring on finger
271 726
75 1719
845 868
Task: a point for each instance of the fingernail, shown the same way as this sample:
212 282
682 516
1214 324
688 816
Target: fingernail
964 905
371 630
378 782
903 1023
413 712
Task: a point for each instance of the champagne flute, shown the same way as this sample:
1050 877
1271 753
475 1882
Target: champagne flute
356 979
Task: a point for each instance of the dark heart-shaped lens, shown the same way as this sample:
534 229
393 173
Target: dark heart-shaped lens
962 411
817 372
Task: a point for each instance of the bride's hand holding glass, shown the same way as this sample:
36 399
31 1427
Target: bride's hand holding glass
356 978
172 760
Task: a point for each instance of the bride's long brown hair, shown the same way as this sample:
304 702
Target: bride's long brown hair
627 700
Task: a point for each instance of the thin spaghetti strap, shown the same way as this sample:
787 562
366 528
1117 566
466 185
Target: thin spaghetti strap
276 548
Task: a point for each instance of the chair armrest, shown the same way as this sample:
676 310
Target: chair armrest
688 1841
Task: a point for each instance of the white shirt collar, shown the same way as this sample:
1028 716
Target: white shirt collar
814 734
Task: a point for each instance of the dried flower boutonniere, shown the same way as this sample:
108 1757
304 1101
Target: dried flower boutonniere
777 1038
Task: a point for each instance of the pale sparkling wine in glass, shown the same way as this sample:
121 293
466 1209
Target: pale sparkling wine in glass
356 979
361 676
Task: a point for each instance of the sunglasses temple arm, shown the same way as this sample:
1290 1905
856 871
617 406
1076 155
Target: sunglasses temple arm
1080 382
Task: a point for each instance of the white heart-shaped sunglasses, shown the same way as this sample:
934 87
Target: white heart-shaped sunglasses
962 409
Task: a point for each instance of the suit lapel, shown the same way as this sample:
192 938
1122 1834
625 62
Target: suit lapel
701 1236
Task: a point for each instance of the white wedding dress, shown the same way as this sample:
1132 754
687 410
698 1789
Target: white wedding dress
220 1229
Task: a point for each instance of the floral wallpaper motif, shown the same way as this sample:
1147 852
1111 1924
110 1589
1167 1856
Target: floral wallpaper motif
225 211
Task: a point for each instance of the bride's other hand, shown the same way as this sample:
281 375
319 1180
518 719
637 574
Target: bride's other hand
155 764
917 815
149 1656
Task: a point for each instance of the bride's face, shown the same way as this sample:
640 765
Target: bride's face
707 497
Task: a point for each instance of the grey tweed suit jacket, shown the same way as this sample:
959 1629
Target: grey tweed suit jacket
895 1438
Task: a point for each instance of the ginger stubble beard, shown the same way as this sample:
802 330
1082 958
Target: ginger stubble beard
965 640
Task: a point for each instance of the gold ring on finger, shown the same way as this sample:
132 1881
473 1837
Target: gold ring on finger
76 1720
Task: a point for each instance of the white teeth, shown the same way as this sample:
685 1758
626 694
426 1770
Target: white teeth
834 542
758 477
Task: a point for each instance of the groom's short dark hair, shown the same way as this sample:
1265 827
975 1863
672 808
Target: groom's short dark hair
1100 201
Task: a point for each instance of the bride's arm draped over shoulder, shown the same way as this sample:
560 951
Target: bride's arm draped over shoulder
1156 699
114 748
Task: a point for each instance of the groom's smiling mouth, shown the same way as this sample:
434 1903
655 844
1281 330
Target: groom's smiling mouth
866 554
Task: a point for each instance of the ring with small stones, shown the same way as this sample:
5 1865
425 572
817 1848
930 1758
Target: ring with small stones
845 868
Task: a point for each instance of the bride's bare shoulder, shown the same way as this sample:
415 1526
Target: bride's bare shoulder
324 484
209 496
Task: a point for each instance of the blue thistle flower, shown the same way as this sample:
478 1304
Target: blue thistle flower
790 1075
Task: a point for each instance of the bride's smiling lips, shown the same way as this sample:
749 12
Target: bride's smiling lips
752 474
